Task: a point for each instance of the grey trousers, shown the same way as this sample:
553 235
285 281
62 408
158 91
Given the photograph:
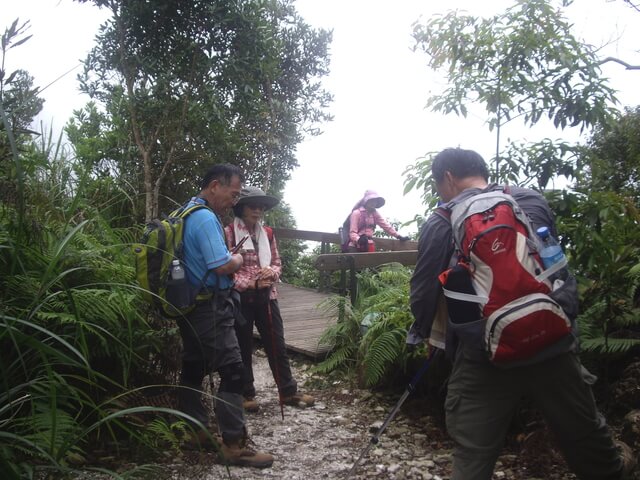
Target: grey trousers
210 344
482 399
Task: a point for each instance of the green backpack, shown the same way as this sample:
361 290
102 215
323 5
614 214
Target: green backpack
159 249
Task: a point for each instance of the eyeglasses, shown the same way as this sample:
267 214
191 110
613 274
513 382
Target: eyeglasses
256 206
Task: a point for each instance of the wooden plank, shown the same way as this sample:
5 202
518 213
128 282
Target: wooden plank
304 323
338 261
394 245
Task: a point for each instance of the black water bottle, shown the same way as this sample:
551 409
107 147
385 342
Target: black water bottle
178 291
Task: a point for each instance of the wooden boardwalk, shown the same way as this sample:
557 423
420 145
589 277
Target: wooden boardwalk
304 322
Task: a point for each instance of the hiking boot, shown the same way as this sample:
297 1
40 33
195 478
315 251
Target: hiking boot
629 461
250 405
200 440
239 454
300 400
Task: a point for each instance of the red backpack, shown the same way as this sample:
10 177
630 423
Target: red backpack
498 291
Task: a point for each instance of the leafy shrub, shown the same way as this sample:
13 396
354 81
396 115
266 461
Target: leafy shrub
375 350
602 240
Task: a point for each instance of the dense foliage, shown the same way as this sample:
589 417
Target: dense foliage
73 334
177 85
182 85
522 65
370 337
525 63
79 352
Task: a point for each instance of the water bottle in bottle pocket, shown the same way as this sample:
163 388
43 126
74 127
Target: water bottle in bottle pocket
178 289
552 256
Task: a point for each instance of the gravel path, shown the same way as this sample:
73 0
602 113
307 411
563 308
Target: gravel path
324 441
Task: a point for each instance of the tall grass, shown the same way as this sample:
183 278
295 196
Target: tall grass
73 333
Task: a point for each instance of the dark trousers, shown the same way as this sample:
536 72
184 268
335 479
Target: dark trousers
210 344
482 399
265 315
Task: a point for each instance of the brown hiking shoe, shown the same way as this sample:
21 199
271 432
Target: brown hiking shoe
238 453
250 405
629 461
300 400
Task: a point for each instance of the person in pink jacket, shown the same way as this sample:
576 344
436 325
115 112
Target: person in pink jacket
364 218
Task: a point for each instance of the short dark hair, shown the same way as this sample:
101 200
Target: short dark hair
222 172
461 163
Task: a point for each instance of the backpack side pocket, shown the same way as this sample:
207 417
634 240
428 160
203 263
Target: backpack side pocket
566 295
464 307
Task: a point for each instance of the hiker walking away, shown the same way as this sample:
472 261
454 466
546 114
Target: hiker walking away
208 334
363 221
256 281
482 397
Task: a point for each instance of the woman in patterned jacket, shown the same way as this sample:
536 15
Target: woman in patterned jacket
256 281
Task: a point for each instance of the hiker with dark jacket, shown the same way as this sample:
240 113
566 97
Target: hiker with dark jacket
208 335
482 397
364 218
256 281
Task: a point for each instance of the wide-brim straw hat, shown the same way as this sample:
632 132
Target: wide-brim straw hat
256 195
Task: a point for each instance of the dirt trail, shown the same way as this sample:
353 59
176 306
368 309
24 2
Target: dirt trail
324 441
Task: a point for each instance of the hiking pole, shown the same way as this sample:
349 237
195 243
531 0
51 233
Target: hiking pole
273 351
376 437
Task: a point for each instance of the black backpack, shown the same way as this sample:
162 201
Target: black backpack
344 232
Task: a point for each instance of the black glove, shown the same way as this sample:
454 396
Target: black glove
403 238
363 241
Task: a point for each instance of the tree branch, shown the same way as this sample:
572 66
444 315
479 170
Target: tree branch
632 5
621 62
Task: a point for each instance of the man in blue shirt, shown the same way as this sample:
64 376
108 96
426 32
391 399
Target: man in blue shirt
208 334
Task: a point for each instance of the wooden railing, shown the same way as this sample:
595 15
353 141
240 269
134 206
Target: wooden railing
391 244
393 250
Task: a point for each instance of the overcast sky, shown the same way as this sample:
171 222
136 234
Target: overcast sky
380 88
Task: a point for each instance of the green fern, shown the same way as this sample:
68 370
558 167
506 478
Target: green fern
384 295
343 356
52 429
609 346
159 433
383 351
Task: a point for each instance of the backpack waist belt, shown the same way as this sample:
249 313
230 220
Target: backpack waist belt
205 294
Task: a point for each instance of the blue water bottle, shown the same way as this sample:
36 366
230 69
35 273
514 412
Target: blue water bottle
551 254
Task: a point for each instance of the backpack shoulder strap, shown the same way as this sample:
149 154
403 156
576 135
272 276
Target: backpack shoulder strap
444 213
184 211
